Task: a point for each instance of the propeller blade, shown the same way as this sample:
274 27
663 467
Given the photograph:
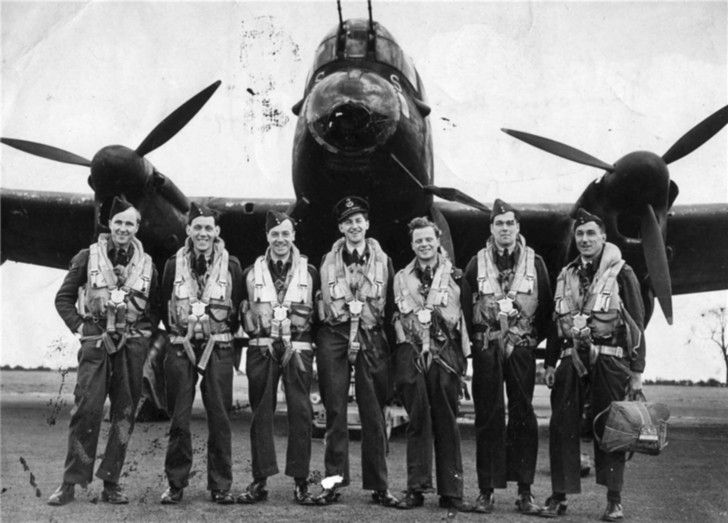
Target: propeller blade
446 193
560 149
454 195
656 260
407 171
46 151
170 191
697 136
174 123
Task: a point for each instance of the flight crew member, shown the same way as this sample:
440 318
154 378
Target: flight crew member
201 291
512 308
118 310
277 313
356 287
432 345
599 316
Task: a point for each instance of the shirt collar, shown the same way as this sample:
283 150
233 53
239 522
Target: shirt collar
581 262
286 261
361 249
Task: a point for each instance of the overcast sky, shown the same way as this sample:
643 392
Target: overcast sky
608 78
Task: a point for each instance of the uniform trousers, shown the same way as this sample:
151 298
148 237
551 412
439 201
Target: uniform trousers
431 400
217 394
504 453
371 375
119 376
264 371
608 380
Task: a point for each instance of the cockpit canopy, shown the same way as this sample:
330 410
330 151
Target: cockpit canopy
352 43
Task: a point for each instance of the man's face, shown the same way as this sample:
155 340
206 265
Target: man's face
589 239
124 226
281 238
505 229
425 243
354 228
203 231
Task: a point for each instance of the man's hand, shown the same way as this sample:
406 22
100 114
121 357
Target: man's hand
550 376
635 387
636 381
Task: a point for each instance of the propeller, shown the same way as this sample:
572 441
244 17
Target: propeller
560 149
173 123
46 151
646 168
109 162
455 195
446 193
656 259
697 136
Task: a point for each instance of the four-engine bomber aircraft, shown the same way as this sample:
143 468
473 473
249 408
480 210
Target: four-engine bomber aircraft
363 129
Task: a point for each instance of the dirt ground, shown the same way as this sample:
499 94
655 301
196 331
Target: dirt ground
688 482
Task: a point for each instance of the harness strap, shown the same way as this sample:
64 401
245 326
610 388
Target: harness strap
293 350
594 351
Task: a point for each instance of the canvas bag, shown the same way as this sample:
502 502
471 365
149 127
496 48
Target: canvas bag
633 426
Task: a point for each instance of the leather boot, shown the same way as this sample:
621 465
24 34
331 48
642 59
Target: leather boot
63 494
254 493
301 495
112 494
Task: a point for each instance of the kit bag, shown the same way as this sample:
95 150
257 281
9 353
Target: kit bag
633 426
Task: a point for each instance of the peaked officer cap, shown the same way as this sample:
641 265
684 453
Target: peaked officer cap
350 205
275 218
197 211
501 207
583 216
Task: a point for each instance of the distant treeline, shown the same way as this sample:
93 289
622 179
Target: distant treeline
712 382
40 368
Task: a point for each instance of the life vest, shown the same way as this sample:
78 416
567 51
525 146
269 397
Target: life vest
214 299
289 309
512 325
600 313
342 285
198 313
414 322
121 300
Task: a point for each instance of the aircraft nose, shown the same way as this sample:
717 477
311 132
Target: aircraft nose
352 111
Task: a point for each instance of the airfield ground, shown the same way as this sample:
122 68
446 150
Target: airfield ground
688 482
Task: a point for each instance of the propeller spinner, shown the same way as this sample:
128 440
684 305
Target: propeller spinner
638 183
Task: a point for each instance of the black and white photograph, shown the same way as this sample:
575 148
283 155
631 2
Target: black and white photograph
364 260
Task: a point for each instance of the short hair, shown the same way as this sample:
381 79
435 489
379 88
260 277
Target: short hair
600 224
422 222
138 215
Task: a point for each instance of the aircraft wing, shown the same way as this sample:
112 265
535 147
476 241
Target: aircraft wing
45 228
48 228
546 227
242 222
696 239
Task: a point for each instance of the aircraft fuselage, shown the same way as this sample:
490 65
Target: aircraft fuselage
362 103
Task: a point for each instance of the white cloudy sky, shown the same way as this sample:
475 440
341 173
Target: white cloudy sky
608 78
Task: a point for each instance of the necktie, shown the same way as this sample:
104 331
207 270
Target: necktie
503 261
120 257
586 274
201 265
427 276
355 257
279 267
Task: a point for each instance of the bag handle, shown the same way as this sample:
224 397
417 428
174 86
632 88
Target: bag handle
594 423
